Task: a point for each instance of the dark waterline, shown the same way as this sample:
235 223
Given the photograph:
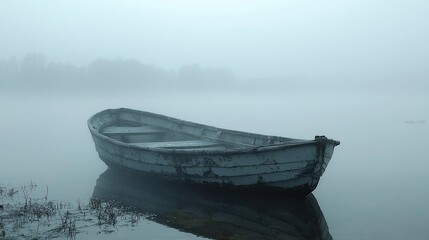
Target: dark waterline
374 188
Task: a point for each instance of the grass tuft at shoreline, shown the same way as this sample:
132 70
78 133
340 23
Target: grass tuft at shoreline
23 216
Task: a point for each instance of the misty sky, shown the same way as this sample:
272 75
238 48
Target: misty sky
384 40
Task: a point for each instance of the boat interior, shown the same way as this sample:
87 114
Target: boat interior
155 137
157 131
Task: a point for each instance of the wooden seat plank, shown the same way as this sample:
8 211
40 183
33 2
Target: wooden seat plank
217 147
179 144
130 130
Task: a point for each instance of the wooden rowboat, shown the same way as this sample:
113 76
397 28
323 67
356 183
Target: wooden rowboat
162 147
213 214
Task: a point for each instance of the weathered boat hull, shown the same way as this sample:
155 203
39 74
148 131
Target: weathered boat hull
213 214
293 167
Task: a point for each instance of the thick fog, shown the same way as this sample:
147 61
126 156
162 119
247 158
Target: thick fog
355 44
355 71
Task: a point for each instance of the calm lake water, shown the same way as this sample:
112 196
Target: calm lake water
375 187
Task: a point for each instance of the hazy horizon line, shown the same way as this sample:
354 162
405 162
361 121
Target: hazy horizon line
35 70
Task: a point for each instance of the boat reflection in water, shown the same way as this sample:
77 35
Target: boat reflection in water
214 214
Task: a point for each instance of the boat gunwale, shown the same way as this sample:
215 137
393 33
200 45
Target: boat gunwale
244 150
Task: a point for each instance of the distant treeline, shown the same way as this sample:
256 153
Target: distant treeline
36 72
